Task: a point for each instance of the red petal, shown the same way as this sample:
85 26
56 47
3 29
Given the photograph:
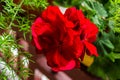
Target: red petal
38 28
90 49
72 45
90 31
57 61
70 65
54 16
74 15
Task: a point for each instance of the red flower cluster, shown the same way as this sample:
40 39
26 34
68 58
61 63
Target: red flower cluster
64 38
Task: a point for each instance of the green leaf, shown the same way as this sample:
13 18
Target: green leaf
105 42
108 44
100 10
86 6
101 48
114 56
111 24
96 20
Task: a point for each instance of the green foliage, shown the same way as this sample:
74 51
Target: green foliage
104 44
115 14
11 14
36 3
105 68
16 17
2 76
6 42
114 56
116 43
116 18
2 20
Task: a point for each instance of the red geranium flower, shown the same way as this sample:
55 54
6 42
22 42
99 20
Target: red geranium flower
87 30
64 38
53 35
